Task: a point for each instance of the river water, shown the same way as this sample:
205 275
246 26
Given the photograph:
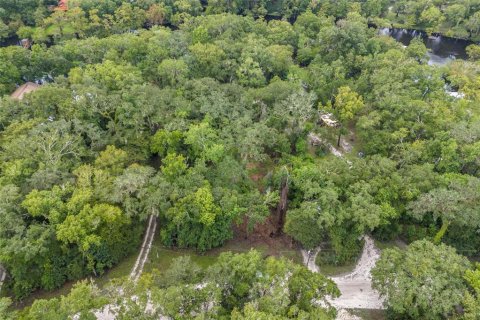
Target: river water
441 49
11 41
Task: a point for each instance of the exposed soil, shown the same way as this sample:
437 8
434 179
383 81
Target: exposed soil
3 275
281 212
345 146
257 172
356 287
264 233
309 258
145 249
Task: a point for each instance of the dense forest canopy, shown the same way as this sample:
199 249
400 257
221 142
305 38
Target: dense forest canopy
208 115
39 20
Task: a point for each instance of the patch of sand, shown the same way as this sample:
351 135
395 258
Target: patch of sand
356 287
309 259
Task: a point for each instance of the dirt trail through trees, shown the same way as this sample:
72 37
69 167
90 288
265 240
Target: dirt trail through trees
3 275
345 146
356 287
309 259
145 249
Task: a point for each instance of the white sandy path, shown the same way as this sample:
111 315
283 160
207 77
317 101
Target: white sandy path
356 287
309 259
108 311
316 140
3 275
145 249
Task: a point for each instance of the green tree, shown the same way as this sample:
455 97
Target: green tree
431 18
5 314
424 281
455 13
250 74
172 72
247 279
293 114
164 142
473 52
128 17
207 60
203 141
108 74
347 105
456 204
182 271
92 228
471 300
473 23
4 30
173 166
302 224
417 49
82 300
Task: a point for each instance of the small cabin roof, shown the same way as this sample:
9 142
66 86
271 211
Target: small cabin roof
328 119
24 89
62 5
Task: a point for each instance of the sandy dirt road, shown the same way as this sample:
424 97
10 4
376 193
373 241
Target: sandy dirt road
356 287
145 249
3 276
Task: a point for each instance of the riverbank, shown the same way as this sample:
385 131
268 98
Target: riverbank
441 49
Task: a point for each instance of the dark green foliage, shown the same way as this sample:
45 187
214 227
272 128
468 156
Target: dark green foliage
429 274
344 248
212 123
236 285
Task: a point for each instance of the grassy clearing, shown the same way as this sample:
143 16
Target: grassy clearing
390 244
43 294
161 258
369 314
332 271
122 269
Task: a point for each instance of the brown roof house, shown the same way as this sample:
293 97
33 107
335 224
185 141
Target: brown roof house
62 5
24 89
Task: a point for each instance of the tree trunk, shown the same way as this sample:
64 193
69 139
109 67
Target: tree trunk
441 232
339 136
282 206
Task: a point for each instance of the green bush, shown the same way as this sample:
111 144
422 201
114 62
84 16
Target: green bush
342 249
